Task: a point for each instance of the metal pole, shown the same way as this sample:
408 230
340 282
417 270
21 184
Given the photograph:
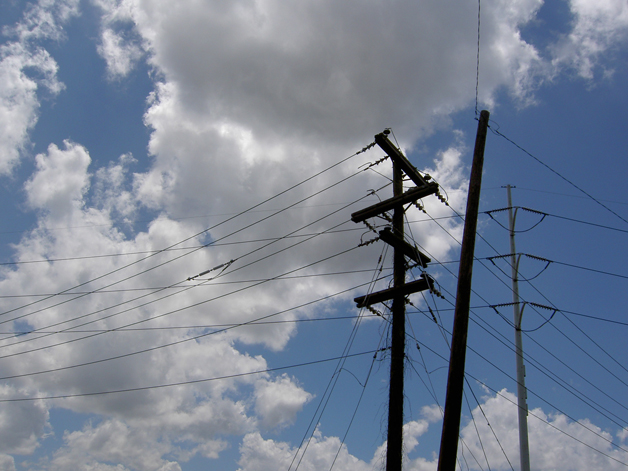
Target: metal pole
455 379
524 450
394 453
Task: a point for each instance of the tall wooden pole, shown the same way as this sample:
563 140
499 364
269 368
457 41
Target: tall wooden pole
394 453
455 380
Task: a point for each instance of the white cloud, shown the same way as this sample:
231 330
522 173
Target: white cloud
60 181
109 188
598 27
44 20
318 69
278 402
119 45
7 463
119 54
258 454
110 442
18 97
25 69
252 98
558 442
22 425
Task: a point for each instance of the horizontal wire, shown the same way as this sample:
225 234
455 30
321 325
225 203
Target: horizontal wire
554 376
557 193
172 249
196 235
497 132
163 263
117 357
112 224
185 288
537 360
204 284
534 393
556 309
182 383
196 327
537 395
123 254
153 301
549 423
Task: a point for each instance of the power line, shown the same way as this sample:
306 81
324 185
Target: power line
551 375
194 327
163 263
558 194
550 424
207 230
496 131
183 383
333 380
145 350
122 254
112 224
190 287
540 397
198 285
556 310
557 375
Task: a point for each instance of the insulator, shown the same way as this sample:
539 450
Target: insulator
375 311
370 227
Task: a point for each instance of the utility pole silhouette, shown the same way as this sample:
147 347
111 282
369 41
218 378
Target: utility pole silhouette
394 236
455 379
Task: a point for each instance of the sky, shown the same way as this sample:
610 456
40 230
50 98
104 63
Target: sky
178 263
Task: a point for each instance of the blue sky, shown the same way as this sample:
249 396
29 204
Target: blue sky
144 143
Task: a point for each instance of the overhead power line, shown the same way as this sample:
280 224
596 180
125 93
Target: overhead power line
170 344
183 383
592 198
544 214
166 262
183 288
197 285
192 327
205 231
125 254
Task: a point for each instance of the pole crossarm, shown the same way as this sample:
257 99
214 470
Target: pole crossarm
408 197
426 282
395 154
410 251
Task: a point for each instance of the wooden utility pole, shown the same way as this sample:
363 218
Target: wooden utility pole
400 289
455 379
394 451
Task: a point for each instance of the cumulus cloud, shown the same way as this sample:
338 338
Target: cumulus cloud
26 69
558 442
279 401
119 54
598 27
22 425
19 103
110 442
60 180
120 45
249 99
7 463
258 454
